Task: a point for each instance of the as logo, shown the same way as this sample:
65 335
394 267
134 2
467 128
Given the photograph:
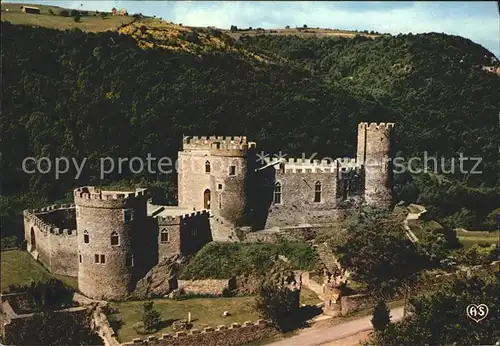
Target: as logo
477 313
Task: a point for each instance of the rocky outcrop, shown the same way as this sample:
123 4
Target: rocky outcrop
159 281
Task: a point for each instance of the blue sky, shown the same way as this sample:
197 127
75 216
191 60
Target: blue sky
478 21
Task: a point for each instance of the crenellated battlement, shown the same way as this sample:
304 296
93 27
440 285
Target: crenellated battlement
217 142
375 126
51 208
303 165
91 192
46 227
178 219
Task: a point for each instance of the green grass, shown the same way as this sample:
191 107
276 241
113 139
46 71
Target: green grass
220 261
308 297
89 23
19 268
476 237
205 312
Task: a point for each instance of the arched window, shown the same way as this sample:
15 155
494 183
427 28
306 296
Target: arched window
277 193
317 192
86 238
115 239
164 236
207 166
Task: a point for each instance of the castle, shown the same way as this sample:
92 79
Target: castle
110 239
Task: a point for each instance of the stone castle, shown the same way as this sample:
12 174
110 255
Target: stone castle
109 240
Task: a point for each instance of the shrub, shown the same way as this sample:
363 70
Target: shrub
64 13
381 316
151 318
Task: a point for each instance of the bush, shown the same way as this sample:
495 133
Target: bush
381 316
46 294
151 318
51 12
9 242
279 305
478 254
64 13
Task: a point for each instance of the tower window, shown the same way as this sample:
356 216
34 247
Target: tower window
80 258
220 201
164 238
219 187
130 261
86 238
277 193
99 259
194 232
128 215
115 239
207 166
317 192
232 170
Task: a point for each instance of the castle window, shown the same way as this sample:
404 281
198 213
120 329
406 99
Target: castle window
128 215
194 232
207 166
99 259
130 261
164 236
277 193
86 238
219 187
232 170
103 259
220 201
115 239
80 258
96 258
317 192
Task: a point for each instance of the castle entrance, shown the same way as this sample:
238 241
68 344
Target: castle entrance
206 199
32 239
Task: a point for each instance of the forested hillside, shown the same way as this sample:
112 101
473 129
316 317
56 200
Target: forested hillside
76 94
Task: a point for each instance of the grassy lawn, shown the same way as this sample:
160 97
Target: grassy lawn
475 237
205 312
18 268
308 297
89 23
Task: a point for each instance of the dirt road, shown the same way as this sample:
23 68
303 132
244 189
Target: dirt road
325 335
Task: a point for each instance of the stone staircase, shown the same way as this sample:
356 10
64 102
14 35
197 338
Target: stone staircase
222 231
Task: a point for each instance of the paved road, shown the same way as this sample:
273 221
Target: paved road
320 336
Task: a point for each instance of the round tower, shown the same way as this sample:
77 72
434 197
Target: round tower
374 153
229 179
107 222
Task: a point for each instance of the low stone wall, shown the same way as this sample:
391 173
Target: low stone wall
355 303
208 286
236 334
13 323
314 286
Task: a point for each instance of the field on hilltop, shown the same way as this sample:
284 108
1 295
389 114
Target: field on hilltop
50 17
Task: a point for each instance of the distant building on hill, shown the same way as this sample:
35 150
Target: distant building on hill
30 9
120 12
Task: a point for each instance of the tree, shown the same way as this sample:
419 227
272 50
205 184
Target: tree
441 319
64 13
377 251
75 13
151 318
278 300
77 17
381 316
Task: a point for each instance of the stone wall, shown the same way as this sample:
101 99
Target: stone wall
355 303
314 286
54 247
236 334
208 286
16 325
